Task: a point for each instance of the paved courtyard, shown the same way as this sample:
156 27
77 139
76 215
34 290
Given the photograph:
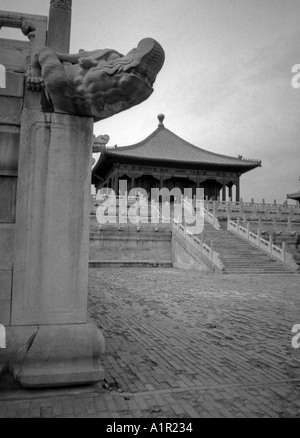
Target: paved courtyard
184 345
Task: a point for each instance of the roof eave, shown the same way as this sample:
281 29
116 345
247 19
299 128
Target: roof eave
243 165
294 196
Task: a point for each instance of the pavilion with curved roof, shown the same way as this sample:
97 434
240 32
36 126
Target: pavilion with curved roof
165 160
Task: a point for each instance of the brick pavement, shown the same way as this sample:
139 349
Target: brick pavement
184 345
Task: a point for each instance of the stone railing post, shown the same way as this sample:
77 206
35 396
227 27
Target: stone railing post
201 240
275 224
271 244
241 208
279 209
228 221
258 238
228 207
214 217
283 251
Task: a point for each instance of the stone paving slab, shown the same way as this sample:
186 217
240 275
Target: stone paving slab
184 345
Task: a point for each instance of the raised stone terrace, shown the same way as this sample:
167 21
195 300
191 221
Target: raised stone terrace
138 242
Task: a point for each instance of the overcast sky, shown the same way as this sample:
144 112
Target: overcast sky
226 83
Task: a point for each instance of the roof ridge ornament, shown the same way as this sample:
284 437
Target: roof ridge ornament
161 118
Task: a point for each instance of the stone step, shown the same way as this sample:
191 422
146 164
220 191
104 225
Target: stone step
241 271
266 264
259 267
129 263
255 268
238 259
242 263
239 256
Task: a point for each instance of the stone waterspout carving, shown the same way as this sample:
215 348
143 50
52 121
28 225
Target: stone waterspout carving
95 84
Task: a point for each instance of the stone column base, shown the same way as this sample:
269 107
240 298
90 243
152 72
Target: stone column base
53 355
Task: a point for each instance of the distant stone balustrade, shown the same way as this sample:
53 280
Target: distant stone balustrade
275 217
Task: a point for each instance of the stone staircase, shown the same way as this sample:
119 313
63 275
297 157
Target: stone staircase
240 257
152 246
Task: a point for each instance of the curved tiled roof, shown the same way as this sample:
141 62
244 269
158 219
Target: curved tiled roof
164 145
295 196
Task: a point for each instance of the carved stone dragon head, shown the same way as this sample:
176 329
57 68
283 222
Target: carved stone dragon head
101 83
121 83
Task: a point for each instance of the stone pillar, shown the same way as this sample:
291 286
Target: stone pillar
50 280
59 25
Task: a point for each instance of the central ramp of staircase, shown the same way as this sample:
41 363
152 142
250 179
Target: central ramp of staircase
238 256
